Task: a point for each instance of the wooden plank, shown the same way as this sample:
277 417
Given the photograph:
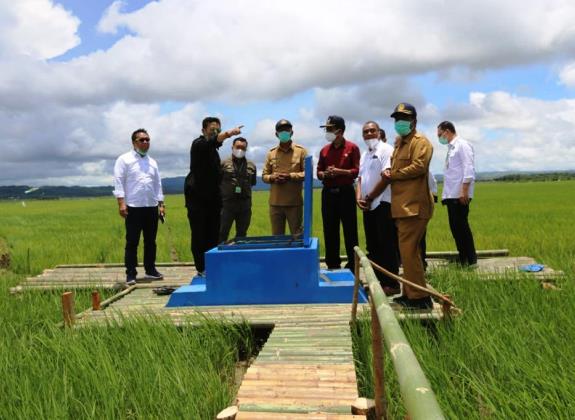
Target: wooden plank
294 416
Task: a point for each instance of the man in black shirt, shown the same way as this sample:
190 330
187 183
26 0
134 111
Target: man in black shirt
202 188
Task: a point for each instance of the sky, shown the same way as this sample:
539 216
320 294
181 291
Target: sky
78 77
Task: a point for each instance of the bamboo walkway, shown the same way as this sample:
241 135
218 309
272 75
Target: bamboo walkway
111 276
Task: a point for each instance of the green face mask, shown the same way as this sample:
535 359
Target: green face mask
141 152
443 140
402 127
284 136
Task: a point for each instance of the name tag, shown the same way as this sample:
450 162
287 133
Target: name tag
238 190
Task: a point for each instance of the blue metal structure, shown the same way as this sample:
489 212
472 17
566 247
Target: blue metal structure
268 270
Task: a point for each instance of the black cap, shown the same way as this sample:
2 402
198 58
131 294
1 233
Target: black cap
405 109
334 121
283 124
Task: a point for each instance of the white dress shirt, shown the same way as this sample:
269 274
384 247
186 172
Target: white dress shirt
432 183
459 168
137 180
371 165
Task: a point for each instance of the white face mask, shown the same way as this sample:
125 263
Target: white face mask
238 153
371 143
330 137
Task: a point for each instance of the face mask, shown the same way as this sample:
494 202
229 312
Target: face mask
371 143
141 152
443 140
284 136
403 128
238 153
330 136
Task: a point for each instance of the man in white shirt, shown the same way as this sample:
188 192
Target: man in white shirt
379 227
138 189
458 186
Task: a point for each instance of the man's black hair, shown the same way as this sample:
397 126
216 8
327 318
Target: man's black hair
208 120
372 122
239 139
139 130
447 125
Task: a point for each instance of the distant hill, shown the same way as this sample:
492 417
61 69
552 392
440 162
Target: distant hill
176 185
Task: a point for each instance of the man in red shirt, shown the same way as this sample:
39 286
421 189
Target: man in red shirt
337 168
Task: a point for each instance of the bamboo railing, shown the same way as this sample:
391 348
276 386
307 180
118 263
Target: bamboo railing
419 399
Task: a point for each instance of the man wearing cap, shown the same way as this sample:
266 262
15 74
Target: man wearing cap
412 202
337 168
202 188
458 183
284 169
239 175
379 227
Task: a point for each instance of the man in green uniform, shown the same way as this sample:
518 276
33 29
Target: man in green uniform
238 177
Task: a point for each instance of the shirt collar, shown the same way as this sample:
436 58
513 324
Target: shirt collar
452 143
137 155
340 147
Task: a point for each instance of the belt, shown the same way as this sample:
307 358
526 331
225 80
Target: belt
336 190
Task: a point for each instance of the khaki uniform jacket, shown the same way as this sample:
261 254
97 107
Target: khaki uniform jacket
242 175
410 195
292 162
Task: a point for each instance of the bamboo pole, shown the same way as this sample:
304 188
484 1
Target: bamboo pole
68 308
377 356
229 413
95 300
432 292
355 289
363 407
418 397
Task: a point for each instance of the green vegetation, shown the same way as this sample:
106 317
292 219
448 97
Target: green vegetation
509 356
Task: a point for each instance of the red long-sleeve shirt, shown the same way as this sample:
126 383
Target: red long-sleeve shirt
344 157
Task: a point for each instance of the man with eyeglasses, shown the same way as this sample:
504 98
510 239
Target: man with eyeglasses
458 185
202 189
138 189
337 168
378 225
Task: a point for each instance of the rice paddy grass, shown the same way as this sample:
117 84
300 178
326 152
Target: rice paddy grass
510 355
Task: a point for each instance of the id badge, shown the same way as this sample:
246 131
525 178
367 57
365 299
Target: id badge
238 190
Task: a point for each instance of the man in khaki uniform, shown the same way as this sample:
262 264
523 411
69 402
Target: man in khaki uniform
284 170
411 200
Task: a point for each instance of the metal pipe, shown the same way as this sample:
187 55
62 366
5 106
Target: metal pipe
419 399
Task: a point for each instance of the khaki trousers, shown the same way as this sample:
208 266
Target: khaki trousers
410 231
293 215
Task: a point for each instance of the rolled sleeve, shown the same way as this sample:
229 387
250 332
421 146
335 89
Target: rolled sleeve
119 178
467 156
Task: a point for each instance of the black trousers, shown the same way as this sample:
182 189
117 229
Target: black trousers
381 242
138 220
239 211
461 231
338 205
205 226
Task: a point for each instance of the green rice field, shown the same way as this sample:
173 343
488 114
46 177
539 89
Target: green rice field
510 355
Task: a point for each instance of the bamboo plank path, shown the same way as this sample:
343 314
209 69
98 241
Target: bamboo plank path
112 276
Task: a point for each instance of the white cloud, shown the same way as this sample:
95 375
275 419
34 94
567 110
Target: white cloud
511 132
567 75
250 50
39 29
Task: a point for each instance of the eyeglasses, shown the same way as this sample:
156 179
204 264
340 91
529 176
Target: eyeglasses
143 140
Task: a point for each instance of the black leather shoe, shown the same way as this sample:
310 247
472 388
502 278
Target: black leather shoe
422 303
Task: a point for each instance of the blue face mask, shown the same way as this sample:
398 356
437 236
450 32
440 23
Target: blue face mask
284 136
443 140
402 127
